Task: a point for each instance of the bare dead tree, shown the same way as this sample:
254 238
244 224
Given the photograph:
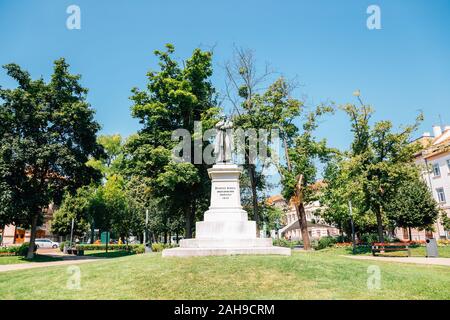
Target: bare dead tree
243 81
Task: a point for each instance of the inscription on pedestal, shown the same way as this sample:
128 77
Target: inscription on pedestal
225 192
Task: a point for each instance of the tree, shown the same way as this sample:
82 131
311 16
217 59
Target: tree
112 161
175 98
76 207
243 88
380 159
340 188
445 220
413 206
299 172
47 135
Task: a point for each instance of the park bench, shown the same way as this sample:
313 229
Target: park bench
384 247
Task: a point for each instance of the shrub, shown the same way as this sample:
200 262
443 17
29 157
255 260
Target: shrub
286 243
325 242
62 245
369 238
23 249
136 249
158 247
13 250
343 238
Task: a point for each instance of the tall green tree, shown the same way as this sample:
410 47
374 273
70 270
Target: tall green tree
47 135
176 96
341 188
299 173
77 207
380 159
413 206
112 161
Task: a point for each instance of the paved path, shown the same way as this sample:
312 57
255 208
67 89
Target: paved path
416 260
66 260
32 265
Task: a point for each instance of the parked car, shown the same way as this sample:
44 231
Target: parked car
46 243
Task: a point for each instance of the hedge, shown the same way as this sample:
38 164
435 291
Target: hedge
135 248
89 247
21 250
286 243
158 247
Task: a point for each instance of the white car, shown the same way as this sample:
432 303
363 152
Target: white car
46 243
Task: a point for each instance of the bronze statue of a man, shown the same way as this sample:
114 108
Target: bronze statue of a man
224 141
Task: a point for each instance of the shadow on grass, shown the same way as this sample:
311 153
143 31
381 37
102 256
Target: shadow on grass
20 259
109 254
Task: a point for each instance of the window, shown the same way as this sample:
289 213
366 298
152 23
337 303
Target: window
405 233
440 194
436 170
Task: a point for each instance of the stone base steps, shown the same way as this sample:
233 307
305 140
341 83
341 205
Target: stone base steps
197 252
226 243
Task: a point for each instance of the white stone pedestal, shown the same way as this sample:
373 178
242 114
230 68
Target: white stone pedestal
226 229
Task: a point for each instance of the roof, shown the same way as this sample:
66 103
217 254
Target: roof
296 225
275 198
435 146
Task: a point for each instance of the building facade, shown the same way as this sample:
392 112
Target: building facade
291 230
435 161
15 235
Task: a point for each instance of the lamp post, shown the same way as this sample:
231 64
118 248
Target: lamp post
353 226
145 230
71 233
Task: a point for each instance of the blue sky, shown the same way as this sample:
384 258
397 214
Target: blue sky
399 69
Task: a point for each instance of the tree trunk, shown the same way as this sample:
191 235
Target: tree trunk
34 220
410 235
252 175
301 214
1 235
379 225
92 233
188 223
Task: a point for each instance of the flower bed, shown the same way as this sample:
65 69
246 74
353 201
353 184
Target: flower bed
16 250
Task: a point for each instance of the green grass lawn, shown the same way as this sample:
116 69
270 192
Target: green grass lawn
20 259
315 275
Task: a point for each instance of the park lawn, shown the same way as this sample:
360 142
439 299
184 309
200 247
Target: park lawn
313 275
19 259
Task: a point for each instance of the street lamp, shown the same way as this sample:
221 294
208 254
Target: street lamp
353 226
71 233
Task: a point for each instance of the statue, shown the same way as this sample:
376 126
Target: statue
224 141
